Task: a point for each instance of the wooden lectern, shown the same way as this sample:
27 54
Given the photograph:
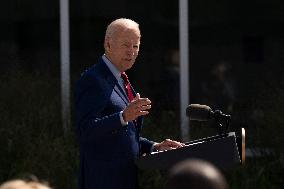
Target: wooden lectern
221 150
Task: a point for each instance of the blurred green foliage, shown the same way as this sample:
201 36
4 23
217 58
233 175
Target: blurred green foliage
32 140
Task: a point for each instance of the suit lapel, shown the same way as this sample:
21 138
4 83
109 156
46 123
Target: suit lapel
113 81
120 92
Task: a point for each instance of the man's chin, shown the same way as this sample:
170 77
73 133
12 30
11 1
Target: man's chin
129 65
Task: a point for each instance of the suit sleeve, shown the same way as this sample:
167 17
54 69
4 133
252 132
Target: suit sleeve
91 100
145 145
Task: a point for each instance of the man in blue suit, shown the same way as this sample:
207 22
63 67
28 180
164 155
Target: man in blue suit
109 115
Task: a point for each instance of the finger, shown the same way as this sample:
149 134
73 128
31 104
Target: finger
147 107
141 113
173 143
142 102
168 140
134 99
137 96
177 144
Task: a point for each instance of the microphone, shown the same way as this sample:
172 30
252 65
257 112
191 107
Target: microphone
199 112
204 113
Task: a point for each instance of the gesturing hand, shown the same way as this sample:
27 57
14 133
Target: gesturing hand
137 107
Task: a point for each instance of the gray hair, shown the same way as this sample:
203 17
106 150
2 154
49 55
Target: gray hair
120 25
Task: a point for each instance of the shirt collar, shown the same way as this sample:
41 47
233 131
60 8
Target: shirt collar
112 67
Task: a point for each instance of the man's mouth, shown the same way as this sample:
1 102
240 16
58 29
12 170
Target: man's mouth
128 59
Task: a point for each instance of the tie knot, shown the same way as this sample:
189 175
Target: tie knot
124 77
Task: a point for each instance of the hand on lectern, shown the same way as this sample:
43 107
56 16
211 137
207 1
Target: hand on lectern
168 144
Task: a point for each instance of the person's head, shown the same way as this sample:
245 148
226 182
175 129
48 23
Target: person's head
122 42
22 184
195 174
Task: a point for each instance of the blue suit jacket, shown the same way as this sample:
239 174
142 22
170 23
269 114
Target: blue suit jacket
107 149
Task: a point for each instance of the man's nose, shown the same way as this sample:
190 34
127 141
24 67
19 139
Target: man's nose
131 51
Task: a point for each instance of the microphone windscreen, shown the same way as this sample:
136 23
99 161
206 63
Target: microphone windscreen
198 112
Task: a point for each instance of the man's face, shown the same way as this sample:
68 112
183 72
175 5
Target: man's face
123 49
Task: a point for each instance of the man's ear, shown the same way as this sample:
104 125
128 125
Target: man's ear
107 44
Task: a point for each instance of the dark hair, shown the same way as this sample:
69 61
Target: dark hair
195 174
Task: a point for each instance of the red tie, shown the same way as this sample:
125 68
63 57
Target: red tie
127 86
